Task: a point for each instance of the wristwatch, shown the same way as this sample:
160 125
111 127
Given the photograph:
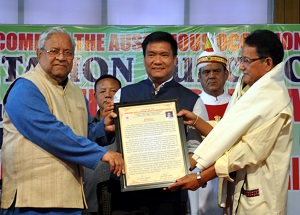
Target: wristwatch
198 175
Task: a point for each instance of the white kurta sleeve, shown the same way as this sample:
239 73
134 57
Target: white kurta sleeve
253 148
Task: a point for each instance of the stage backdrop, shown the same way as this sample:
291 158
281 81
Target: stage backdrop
117 50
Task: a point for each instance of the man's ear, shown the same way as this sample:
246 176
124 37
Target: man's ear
269 63
38 53
226 73
175 60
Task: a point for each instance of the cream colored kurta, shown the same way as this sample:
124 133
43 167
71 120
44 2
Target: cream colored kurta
36 177
254 138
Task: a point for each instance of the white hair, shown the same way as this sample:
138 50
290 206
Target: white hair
50 31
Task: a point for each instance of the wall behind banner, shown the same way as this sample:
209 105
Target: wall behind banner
117 50
136 12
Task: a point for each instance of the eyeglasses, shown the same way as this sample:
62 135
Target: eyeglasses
55 53
247 61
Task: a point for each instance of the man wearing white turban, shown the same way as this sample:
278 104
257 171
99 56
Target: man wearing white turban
212 74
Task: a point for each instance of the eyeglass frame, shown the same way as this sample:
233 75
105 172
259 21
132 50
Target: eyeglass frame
65 53
241 60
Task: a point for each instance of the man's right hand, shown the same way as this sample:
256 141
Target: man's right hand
109 125
115 161
108 107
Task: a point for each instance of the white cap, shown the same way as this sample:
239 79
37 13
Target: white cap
211 53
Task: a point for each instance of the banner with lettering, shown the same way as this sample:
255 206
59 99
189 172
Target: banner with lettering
117 50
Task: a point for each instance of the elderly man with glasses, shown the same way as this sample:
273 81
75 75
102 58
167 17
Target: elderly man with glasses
46 129
254 138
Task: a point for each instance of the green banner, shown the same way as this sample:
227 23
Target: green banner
117 50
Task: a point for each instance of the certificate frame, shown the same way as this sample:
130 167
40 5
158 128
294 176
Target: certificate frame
152 143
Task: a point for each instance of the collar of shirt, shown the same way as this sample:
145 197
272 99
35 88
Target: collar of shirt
117 96
211 100
64 83
96 118
160 86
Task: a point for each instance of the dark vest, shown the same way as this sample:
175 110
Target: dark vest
144 90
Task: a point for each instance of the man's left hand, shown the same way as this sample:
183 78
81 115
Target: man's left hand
188 182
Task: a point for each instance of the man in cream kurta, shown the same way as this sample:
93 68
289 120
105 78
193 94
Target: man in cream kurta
254 138
46 129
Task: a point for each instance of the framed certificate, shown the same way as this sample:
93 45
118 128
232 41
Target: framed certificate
152 140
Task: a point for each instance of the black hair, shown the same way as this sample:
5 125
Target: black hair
104 77
267 44
159 36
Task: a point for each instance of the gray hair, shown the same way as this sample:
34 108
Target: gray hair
50 31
